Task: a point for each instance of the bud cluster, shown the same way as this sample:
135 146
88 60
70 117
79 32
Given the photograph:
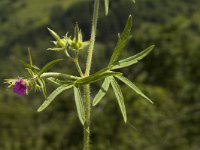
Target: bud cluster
67 43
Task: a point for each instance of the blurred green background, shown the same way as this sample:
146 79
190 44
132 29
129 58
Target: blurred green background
170 76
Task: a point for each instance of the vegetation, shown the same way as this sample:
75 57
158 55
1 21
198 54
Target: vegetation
169 75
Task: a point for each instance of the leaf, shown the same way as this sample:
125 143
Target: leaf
30 58
42 86
95 77
133 87
119 97
122 41
32 73
49 65
79 104
106 3
52 96
133 1
133 59
33 67
91 77
102 91
53 80
11 82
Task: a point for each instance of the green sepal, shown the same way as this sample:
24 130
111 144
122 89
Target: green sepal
77 42
53 95
76 33
133 59
54 34
79 104
59 43
85 44
122 41
119 97
102 92
133 87
55 49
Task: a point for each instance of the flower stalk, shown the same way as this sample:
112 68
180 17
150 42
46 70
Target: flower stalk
77 64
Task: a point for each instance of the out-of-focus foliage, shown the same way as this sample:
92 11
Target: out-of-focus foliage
169 76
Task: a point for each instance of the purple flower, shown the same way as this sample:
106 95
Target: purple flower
20 87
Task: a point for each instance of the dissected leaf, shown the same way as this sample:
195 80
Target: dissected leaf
133 59
122 41
33 68
52 96
30 58
42 86
49 65
102 91
106 3
79 104
119 97
32 73
53 80
95 77
11 82
133 87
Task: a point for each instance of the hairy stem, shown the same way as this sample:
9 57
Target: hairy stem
77 64
87 116
78 67
92 38
87 73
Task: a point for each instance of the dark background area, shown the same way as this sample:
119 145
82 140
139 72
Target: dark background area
170 76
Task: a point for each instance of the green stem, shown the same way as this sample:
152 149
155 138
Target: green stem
87 73
77 64
87 116
78 67
92 38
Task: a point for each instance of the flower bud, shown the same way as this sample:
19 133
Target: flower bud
77 42
60 43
